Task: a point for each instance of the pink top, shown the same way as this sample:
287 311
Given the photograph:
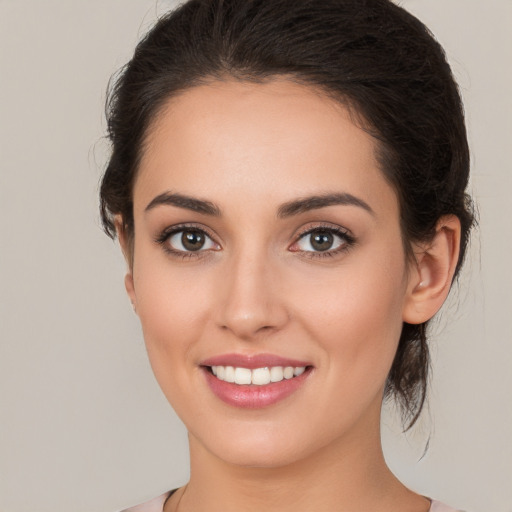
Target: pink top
157 505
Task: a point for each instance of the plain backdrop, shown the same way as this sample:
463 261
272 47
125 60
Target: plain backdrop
83 425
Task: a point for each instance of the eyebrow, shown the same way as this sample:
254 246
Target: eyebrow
321 201
289 209
183 201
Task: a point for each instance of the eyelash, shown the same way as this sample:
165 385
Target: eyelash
348 241
167 233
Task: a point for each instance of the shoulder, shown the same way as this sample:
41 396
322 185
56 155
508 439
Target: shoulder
437 506
154 505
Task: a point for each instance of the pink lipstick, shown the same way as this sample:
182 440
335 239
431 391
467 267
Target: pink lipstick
254 381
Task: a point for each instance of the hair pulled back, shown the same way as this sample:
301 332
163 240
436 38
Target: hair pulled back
371 55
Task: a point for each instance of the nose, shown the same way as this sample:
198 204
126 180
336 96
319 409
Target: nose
252 300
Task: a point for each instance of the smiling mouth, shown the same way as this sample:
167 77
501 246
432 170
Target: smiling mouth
256 387
256 376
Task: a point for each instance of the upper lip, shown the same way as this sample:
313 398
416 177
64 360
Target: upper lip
252 361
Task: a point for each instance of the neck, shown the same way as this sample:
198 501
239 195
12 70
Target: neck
349 474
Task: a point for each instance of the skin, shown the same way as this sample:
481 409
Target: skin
259 287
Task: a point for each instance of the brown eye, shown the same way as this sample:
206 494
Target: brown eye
192 240
321 240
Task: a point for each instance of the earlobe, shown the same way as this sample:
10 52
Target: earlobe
432 272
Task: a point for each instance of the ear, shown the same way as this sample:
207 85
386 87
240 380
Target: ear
431 274
127 249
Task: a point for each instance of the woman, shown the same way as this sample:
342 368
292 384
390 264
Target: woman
287 182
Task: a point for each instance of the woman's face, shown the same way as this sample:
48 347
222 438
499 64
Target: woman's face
266 237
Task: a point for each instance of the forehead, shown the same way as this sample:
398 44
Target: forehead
276 140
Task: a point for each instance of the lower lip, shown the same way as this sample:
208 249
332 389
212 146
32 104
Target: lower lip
253 396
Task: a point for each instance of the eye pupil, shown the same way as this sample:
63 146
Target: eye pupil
192 240
322 240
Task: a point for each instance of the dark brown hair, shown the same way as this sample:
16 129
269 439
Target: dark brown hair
371 55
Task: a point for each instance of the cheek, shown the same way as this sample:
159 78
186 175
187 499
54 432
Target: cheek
172 307
355 315
169 303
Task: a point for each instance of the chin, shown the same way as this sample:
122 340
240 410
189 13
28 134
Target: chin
266 456
261 447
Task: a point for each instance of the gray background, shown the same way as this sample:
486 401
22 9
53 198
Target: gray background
83 425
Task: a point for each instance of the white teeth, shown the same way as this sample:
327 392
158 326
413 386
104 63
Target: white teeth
276 374
243 376
261 376
288 372
258 376
229 375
